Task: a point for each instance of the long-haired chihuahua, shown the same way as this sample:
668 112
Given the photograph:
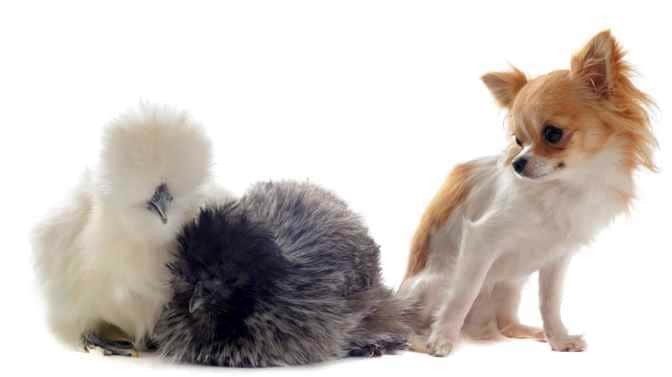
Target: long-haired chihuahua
577 137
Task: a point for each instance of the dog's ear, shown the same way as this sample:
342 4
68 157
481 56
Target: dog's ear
599 64
504 86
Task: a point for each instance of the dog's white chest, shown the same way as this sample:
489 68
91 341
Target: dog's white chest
548 225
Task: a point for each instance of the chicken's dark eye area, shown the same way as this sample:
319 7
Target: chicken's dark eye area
552 134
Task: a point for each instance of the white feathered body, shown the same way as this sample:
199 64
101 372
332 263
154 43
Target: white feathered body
92 272
101 257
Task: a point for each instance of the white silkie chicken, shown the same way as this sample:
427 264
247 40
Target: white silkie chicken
101 258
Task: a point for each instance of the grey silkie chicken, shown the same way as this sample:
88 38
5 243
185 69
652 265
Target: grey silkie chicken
286 275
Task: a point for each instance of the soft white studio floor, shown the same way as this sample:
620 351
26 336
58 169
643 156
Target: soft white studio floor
375 100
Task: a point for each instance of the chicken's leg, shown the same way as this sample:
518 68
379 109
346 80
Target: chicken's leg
111 341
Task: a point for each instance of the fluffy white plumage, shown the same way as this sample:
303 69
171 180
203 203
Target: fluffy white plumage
101 257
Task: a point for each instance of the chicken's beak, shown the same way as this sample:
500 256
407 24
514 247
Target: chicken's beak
196 298
160 202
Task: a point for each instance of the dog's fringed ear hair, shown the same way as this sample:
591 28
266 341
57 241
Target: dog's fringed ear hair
599 64
505 85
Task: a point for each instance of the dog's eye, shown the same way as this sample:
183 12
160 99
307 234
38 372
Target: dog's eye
517 140
552 134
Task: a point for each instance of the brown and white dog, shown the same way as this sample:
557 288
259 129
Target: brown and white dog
578 136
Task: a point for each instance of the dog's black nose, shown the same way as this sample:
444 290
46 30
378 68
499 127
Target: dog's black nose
519 165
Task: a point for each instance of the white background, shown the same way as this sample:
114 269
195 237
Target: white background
374 100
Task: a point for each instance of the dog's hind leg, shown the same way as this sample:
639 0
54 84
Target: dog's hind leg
506 296
480 323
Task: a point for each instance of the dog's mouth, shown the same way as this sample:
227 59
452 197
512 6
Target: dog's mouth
540 170
542 175
533 177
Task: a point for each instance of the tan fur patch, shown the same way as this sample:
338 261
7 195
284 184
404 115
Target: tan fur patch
453 192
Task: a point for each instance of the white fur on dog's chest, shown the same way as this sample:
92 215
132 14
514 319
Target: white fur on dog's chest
547 222
524 224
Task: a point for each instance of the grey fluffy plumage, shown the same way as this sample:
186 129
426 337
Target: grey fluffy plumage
287 275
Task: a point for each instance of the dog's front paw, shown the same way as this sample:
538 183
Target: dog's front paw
417 343
568 343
